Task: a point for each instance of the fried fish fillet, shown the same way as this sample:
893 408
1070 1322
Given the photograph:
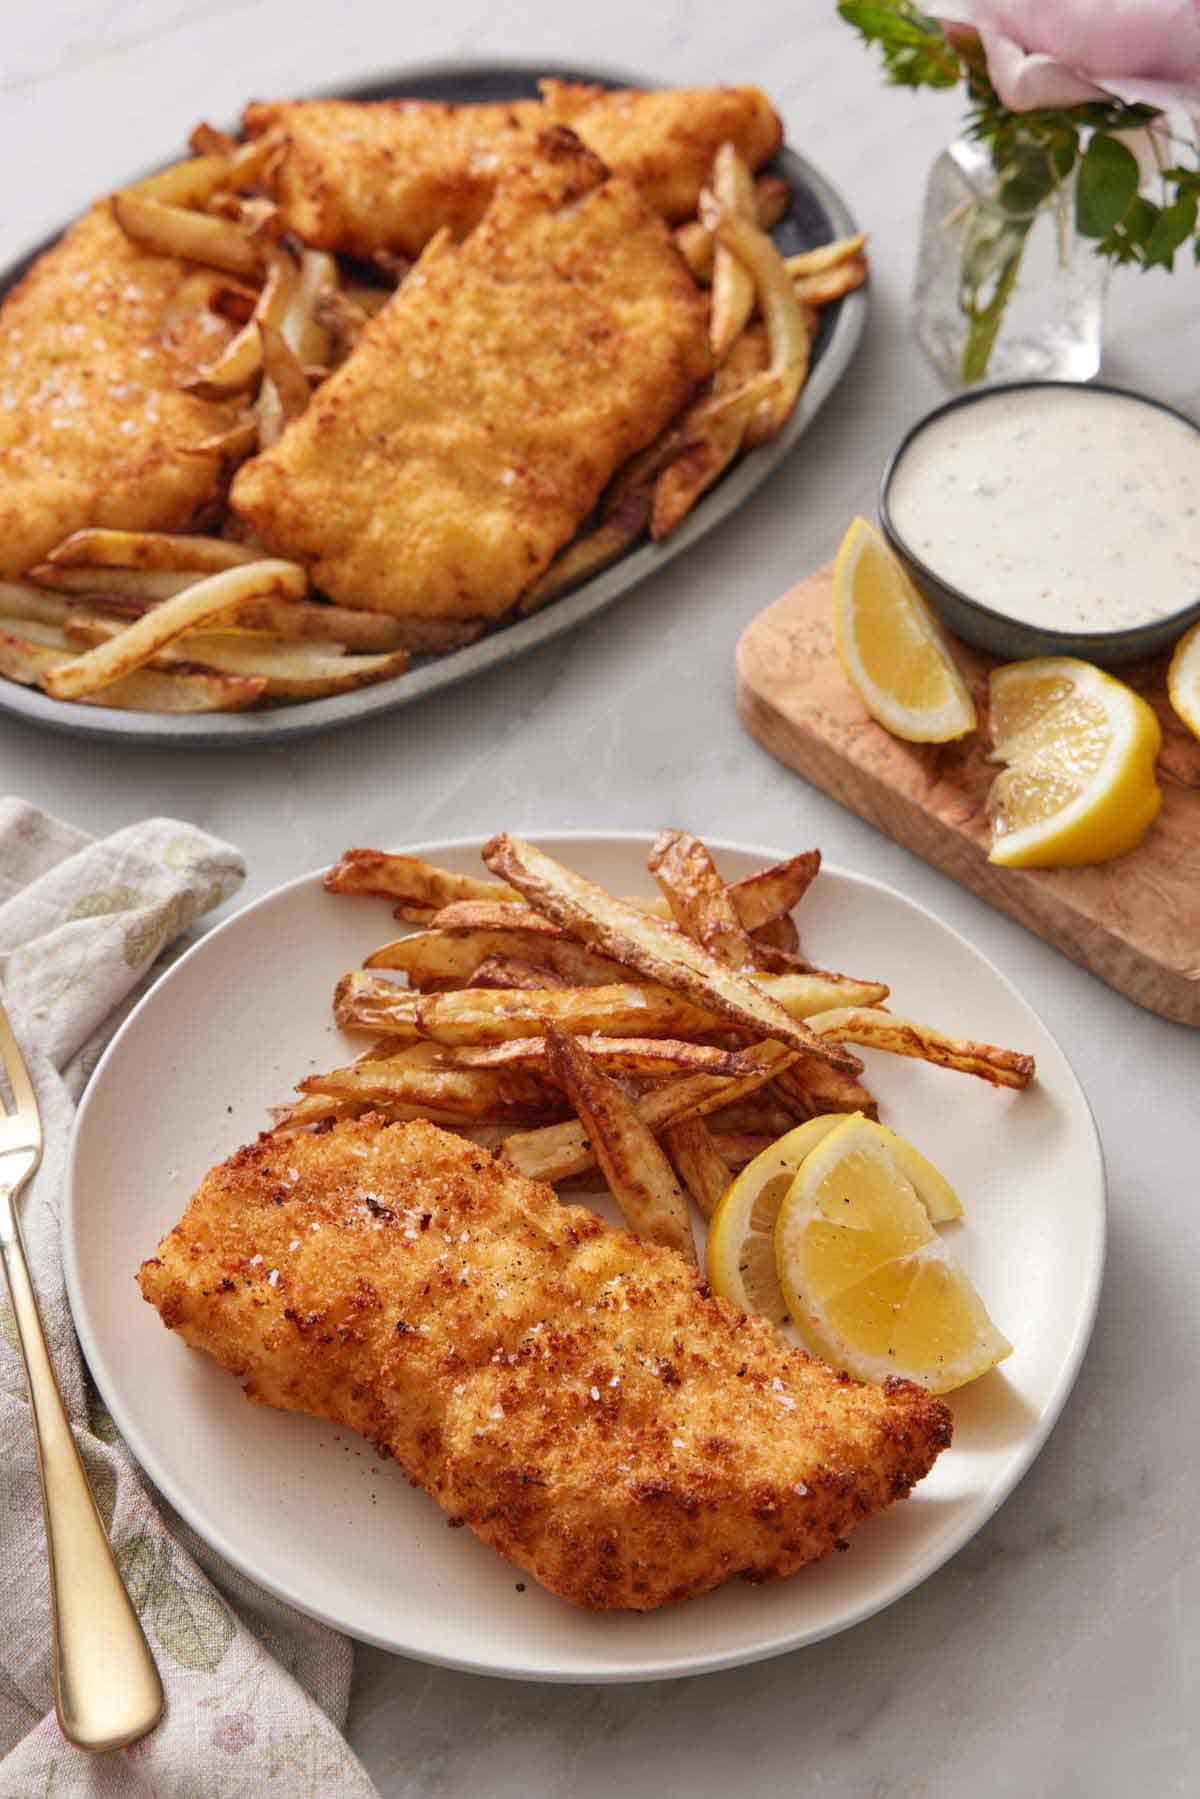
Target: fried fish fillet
481 413
572 1393
93 424
386 175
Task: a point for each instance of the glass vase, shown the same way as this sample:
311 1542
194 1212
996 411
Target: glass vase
1005 289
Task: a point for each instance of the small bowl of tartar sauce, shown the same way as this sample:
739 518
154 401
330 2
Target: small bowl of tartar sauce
1051 518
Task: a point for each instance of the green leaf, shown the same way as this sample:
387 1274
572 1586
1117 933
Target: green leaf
1172 228
1107 186
1028 179
191 1623
916 52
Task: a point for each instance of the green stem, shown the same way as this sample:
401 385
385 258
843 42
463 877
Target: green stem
983 322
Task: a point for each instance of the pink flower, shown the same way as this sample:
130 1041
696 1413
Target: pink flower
1051 53
234 1731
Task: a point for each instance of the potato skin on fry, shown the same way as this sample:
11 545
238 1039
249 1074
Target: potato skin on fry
638 1173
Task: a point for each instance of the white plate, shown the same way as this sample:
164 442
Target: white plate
314 1515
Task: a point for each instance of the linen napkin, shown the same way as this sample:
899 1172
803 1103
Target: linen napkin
257 1695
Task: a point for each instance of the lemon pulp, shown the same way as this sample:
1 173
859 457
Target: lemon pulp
870 1285
1080 749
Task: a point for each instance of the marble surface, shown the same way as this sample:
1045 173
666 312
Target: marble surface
1060 1652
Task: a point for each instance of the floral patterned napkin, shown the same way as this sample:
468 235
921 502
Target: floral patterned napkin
256 1694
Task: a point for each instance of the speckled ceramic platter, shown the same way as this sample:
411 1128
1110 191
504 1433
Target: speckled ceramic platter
817 214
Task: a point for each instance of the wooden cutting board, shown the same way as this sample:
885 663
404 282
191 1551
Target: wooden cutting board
1135 921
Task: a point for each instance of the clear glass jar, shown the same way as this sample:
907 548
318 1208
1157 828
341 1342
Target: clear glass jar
1005 289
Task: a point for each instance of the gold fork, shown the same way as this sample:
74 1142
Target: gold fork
106 1686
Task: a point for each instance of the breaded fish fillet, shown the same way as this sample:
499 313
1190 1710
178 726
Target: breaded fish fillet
482 412
93 423
572 1393
386 175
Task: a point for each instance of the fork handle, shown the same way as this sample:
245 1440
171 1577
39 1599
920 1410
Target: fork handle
106 1686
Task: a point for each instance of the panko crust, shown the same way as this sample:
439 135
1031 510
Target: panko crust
366 176
94 427
481 414
574 1395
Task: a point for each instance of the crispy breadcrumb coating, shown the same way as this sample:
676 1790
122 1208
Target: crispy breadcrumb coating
575 1395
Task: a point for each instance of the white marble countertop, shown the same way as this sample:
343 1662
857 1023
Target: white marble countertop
1059 1653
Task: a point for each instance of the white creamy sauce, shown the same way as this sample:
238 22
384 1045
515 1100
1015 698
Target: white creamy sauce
1074 509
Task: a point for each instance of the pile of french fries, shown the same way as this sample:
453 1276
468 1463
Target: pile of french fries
664 1042
149 621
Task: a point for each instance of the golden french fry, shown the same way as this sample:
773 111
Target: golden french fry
108 662
656 1058
408 878
283 369
736 1148
777 934
787 332
634 938
369 1002
772 892
811 1089
558 1151
303 331
712 435
637 1171
100 549
233 445
438 1093
469 1015
698 1162
483 1015
435 955
825 256
761 1114
194 236
306 621
512 972
822 289
147 584
292 671
32 664
21 600
877 1029
188 183
697 896
732 285
772 197
240 363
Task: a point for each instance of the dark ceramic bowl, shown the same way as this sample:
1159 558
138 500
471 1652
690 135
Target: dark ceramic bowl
1011 638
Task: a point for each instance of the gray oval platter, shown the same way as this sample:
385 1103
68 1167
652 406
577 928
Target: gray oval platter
817 214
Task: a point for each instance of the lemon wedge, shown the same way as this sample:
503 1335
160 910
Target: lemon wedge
740 1258
891 647
1183 679
1080 749
870 1285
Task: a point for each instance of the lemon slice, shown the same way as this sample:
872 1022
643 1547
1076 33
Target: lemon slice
1080 748
1183 679
870 1285
891 647
740 1258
